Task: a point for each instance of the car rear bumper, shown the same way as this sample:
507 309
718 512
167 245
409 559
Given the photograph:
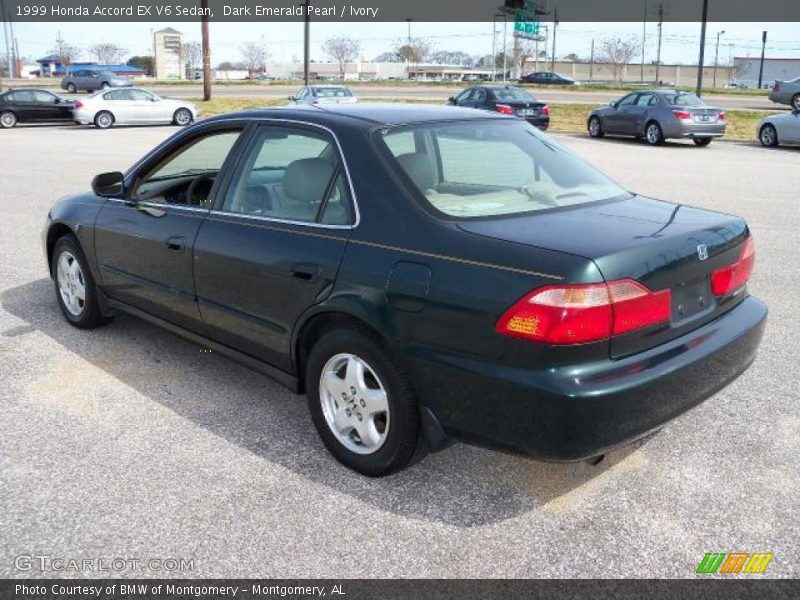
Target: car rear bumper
702 131
542 123
574 412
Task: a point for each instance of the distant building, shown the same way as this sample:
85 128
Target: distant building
168 54
775 69
50 66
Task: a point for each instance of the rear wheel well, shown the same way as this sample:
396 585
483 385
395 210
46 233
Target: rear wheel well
319 325
56 232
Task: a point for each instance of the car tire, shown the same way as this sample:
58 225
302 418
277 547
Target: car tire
72 278
702 141
595 128
182 117
796 102
8 119
103 119
768 136
72 89
653 134
343 365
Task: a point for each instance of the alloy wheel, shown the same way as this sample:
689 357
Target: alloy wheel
355 403
768 135
71 283
104 120
8 119
796 102
183 117
653 133
594 127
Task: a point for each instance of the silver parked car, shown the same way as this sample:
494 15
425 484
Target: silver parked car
657 115
132 106
786 92
778 129
324 94
91 81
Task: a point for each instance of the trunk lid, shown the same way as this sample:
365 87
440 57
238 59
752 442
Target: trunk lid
660 244
703 114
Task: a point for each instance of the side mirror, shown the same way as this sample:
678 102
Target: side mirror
108 185
292 98
612 104
451 100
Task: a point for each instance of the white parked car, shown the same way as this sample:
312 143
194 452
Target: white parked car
779 129
324 94
132 106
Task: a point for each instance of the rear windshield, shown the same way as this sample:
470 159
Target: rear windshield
513 95
331 92
683 100
484 168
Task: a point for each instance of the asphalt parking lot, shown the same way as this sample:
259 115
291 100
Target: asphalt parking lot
128 442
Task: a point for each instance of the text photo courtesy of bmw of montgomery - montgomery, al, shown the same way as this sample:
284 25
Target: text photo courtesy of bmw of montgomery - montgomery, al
384 297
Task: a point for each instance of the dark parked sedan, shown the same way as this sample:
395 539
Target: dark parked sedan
33 106
548 78
507 100
423 274
657 115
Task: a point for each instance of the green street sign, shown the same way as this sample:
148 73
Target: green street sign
525 23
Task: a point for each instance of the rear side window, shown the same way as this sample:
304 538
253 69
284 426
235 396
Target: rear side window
494 167
683 100
291 174
513 95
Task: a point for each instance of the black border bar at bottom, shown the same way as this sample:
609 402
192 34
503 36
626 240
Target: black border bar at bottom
400 589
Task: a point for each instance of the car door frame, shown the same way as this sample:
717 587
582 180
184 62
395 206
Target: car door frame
182 313
616 123
273 353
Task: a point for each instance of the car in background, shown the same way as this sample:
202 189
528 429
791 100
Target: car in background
444 274
91 81
33 106
324 94
786 92
507 100
132 106
548 78
779 129
657 115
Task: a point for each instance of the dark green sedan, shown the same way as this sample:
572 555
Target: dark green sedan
423 274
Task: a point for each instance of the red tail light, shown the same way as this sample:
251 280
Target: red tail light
682 115
721 116
731 278
545 111
578 314
776 87
504 108
79 104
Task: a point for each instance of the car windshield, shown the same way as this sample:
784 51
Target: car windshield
483 168
513 95
331 92
680 99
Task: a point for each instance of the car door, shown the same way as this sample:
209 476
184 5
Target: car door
142 108
618 120
92 81
465 98
789 127
49 107
638 113
143 241
271 248
23 105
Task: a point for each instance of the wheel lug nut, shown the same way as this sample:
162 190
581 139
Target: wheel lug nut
363 403
344 396
352 390
347 412
360 418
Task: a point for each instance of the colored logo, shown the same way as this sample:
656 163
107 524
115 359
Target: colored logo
734 563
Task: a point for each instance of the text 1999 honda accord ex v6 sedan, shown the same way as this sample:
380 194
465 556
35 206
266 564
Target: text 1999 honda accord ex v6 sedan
423 274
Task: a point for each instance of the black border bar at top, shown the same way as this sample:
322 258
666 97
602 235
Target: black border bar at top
443 11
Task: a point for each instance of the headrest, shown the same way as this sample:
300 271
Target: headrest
418 167
305 180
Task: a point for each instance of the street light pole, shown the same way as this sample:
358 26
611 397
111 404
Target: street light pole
716 58
555 29
206 53
699 90
644 38
505 47
306 40
761 67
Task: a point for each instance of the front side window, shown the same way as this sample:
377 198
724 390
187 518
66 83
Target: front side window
186 175
628 100
44 97
291 174
491 168
331 92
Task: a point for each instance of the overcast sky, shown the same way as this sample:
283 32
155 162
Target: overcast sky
284 41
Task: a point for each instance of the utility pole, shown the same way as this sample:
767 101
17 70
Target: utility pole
505 47
408 49
206 53
6 36
306 40
699 90
555 29
716 59
644 38
761 67
658 53
591 63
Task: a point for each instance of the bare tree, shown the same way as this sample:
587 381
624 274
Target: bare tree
192 53
342 50
108 53
255 57
617 53
66 52
414 51
523 50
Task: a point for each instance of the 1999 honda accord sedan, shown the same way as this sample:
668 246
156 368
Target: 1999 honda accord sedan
423 274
